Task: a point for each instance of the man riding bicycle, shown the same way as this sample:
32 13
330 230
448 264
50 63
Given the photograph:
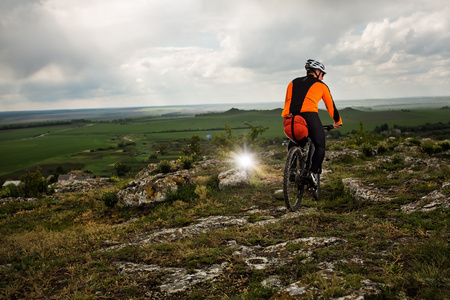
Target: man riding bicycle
302 98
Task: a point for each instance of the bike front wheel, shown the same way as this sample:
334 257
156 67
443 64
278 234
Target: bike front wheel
294 184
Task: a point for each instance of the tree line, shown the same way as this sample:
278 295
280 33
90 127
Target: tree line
414 128
43 124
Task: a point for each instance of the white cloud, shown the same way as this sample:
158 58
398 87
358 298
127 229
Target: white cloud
79 53
408 55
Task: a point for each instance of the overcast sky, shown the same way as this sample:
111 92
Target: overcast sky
114 53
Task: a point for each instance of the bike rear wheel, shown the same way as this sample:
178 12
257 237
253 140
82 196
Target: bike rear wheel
294 183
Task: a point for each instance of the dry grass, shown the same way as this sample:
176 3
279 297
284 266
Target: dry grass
50 249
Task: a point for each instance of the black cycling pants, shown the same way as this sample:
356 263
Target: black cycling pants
317 136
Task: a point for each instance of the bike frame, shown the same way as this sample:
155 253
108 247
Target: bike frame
295 181
309 148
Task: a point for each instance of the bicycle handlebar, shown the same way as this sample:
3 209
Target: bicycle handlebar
328 127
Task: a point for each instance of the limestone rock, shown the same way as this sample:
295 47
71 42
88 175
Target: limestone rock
153 189
432 201
364 192
5 201
279 194
175 280
233 178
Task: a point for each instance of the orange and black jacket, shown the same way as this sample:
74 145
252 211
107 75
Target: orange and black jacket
303 95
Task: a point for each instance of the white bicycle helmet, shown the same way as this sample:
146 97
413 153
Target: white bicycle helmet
314 64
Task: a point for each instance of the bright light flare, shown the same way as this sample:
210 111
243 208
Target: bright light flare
245 160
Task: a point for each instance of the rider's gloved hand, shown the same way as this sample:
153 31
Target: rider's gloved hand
335 125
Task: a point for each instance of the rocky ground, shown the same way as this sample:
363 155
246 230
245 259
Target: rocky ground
179 282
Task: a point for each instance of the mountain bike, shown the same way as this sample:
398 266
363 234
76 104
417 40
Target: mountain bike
296 178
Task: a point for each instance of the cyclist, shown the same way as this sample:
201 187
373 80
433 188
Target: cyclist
302 97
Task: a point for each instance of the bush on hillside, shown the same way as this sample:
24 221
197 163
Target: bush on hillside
185 193
227 142
193 148
255 131
382 148
429 147
361 137
367 149
413 141
186 162
33 184
164 167
11 190
160 149
109 198
213 182
121 169
445 145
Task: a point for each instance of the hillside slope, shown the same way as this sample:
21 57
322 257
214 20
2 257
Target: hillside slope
379 231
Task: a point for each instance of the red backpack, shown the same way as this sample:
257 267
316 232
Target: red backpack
295 127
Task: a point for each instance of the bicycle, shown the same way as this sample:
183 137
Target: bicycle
296 179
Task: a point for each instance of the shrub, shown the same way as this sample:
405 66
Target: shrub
382 148
397 163
213 182
113 179
185 193
34 185
398 160
193 148
336 146
58 171
255 131
187 162
161 149
110 198
367 149
347 158
381 128
4 192
361 137
429 147
225 139
413 141
445 145
11 190
164 166
121 168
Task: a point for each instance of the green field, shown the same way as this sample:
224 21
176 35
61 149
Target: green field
96 146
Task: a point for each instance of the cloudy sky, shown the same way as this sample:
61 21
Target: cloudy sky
114 53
